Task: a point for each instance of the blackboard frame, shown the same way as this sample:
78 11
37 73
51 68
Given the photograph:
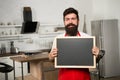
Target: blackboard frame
87 41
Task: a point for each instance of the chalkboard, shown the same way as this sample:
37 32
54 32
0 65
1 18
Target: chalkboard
75 52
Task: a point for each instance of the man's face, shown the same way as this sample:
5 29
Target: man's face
71 24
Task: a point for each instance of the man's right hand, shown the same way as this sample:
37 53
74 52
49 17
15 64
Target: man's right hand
53 53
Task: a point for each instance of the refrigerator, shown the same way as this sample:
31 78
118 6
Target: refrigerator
107 38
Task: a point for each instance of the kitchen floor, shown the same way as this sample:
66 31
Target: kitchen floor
95 76
111 78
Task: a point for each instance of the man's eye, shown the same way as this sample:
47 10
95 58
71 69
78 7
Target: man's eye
74 18
66 19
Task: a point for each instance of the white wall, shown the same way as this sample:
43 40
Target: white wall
106 9
44 11
50 12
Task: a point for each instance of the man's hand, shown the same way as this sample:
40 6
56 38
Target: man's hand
53 53
95 51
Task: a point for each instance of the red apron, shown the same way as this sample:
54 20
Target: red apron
74 73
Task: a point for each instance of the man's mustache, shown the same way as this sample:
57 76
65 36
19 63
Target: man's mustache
71 24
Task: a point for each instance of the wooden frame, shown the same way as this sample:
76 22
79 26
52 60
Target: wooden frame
82 49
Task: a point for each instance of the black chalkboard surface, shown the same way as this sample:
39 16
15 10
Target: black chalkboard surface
75 52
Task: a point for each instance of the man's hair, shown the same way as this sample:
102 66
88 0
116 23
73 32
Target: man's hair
70 10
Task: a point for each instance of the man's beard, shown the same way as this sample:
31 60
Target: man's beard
72 31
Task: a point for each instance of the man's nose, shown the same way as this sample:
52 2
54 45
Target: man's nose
70 21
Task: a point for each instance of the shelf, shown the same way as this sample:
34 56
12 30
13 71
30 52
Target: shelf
7 36
12 37
51 25
10 26
49 34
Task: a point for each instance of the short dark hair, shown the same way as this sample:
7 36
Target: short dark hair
70 10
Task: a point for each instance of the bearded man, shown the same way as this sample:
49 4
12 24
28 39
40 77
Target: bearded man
71 22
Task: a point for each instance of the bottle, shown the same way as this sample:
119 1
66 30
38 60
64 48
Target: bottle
3 49
12 49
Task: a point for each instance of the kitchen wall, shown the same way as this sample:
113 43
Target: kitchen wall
51 12
48 13
106 9
44 11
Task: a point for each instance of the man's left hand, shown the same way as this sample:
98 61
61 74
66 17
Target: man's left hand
95 51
